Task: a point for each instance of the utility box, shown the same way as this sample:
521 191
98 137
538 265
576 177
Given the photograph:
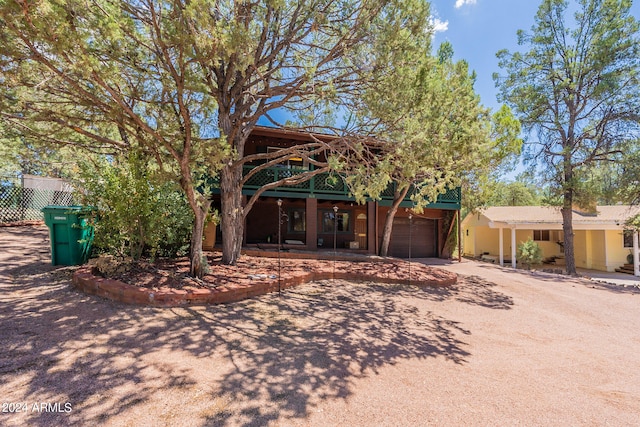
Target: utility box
70 233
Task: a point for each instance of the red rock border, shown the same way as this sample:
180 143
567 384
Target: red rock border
87 281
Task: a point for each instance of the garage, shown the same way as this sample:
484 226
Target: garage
423 238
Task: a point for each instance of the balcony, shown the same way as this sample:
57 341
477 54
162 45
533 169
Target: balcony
329 186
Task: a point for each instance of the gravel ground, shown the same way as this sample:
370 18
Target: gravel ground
501 347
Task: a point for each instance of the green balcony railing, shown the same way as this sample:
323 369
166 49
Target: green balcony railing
329 186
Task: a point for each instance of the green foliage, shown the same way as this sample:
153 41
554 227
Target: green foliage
438 134
451 244
577 88
515 193
21 155
529 253
629 175
138 213
634 222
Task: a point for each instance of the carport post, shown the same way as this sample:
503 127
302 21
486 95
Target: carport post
513 247
636 262
501 247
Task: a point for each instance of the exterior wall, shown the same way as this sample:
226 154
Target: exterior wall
590 250
580 240
549 249
468 241
616 252
478 238
342 238
486 240
598 250
372 236
521 237
469 225
262 222
261 227
311 211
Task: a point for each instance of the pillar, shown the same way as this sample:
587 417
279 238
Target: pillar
636 255
311 234
501 247
372 219
513 247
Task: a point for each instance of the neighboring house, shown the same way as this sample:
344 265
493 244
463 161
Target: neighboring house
310 222
601 240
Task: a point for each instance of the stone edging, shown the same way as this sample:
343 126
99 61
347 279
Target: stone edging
85 280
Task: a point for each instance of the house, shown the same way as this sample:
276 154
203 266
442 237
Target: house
310 221
601 239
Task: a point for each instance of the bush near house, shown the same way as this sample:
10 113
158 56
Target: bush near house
529 253
138 212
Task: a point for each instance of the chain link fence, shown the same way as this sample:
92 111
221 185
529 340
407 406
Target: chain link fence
18 203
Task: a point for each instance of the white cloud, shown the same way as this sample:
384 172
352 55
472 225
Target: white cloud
460 3
438 25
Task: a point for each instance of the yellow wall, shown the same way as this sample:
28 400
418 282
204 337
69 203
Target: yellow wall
481 239
468 234
580 248
486 240
616 253
521 237
598 254
590 249
549 249
594 249
473 236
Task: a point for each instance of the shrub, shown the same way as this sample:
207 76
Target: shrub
138 212
529 253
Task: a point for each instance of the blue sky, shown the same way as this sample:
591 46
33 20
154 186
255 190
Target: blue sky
478 29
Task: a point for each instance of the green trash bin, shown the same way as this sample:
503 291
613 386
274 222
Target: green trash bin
70 233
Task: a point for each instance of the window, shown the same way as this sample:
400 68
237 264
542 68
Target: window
297 221
292 162
341 222
627 237
541 235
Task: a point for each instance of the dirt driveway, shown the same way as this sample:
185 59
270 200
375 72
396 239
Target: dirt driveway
499 348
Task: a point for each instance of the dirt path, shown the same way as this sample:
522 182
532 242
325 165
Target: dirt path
499 348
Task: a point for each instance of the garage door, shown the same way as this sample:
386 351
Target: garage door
423 238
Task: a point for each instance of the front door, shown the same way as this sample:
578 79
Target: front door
361 230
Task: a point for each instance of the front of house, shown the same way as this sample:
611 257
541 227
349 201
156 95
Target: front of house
310 220
601 239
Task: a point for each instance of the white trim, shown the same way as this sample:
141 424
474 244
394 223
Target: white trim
606 251
636 255
554 225
513 247
501 247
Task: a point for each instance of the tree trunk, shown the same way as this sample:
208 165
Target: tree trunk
197 264
199 204
398 197
232 218
567 218
567 228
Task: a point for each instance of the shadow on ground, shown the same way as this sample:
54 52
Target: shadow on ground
248 363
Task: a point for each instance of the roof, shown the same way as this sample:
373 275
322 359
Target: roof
291 134
537 216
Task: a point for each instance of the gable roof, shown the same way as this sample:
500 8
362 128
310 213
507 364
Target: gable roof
540 217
